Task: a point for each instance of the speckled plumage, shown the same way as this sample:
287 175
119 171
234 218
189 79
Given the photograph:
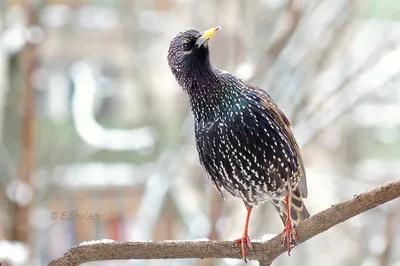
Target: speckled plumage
244 141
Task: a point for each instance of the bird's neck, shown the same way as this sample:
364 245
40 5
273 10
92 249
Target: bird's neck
208 96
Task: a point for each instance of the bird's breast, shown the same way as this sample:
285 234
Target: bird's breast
245 156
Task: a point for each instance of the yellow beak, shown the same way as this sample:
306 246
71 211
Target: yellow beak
209 33
206 36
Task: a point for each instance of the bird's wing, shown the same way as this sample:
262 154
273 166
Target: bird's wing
273 109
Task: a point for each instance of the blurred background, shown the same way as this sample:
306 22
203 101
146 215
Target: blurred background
92 122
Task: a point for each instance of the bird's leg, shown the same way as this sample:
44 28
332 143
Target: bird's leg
245 238
289 233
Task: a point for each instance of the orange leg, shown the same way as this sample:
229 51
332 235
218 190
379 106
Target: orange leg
245 238
288 233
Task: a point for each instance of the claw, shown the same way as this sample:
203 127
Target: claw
289 238
245 239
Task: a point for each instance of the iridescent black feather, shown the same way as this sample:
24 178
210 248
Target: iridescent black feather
244 141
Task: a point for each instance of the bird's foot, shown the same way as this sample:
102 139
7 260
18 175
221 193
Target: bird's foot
289 236
245 239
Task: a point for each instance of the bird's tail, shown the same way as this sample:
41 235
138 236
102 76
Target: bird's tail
298 211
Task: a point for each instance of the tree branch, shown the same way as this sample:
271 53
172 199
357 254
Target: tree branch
265 252
264 263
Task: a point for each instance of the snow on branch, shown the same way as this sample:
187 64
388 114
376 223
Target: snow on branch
265 252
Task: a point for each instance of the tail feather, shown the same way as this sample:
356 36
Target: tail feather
298 210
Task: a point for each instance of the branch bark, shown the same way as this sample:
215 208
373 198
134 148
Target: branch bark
265 252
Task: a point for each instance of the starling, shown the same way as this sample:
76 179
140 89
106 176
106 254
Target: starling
244 141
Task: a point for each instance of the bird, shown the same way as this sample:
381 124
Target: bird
244 141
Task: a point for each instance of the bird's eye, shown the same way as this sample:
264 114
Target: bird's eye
187 46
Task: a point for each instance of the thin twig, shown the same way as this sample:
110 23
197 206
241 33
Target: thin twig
276 47
313 130
372 60
263 251
339 30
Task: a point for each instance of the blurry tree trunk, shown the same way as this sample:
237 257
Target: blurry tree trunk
392 221
20 216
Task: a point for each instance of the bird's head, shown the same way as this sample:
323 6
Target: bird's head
189 50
